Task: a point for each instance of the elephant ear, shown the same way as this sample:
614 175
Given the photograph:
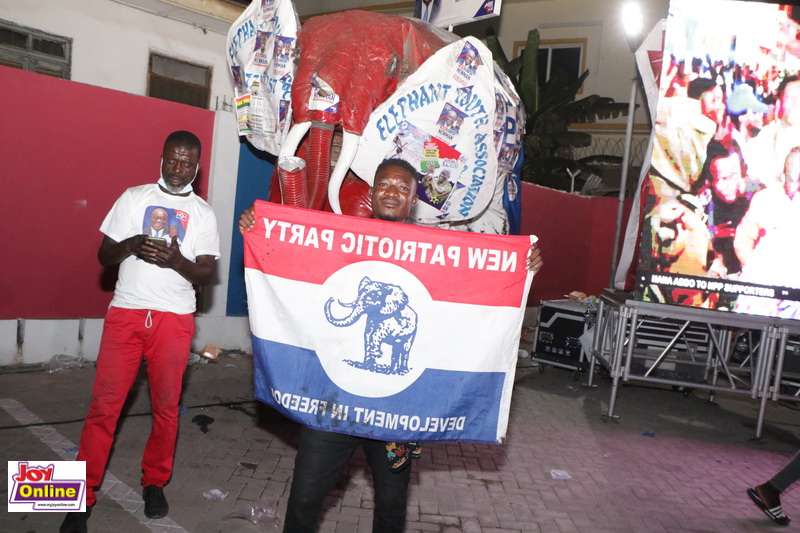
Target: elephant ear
509 127
364 282
395 299
504 212
262 57
450 120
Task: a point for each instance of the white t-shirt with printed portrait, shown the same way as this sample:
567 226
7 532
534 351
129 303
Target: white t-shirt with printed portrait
142 285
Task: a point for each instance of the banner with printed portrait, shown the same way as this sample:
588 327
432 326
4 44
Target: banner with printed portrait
384 330
461 132
444 13
723 204
261 53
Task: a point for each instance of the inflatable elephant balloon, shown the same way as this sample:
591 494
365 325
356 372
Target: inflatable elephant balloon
395 88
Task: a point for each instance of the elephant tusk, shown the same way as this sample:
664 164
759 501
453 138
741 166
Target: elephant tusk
351 317
293 138
346 156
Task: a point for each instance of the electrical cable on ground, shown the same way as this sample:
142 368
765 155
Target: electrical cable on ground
235 406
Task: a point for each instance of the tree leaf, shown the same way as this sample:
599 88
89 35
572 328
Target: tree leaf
529 75
494 46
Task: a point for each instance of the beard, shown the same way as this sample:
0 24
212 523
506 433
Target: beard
387 218
174 188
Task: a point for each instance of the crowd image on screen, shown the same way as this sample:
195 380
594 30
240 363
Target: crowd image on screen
726 136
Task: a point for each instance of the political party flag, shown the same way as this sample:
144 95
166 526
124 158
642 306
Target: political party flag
384 330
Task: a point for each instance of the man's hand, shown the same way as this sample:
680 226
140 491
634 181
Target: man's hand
248 220
161 255
534 262
201 271
112 252
134 245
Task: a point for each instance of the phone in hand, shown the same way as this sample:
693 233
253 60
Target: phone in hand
160 240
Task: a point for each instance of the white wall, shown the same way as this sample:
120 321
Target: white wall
221 196
112 42
609 59
213 327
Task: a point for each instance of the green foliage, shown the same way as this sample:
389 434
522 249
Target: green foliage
550 108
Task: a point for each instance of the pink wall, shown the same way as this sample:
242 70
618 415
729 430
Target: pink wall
576 237
68 150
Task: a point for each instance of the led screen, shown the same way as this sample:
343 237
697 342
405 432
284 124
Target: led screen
722 194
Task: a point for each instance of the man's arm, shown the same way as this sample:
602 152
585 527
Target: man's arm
201 271
112 252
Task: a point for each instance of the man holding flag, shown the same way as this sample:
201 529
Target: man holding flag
323 455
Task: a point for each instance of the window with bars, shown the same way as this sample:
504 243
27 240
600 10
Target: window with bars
35 50
568 55
179 81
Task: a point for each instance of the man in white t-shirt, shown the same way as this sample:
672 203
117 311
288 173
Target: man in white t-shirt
766 243
150 317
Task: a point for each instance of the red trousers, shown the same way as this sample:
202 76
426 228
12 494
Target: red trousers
163 340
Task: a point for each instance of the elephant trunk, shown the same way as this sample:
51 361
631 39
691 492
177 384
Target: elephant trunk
295 190
354 315
319 162
346 156
292 178
292 170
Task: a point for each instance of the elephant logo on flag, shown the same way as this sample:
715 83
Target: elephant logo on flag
390 322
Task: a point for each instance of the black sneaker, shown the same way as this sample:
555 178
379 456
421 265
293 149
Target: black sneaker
76 522
155 504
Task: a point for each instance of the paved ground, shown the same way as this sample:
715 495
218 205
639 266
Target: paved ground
672 463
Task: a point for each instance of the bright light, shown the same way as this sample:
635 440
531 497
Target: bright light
632 19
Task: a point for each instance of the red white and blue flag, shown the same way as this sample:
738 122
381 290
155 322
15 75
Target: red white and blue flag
384 330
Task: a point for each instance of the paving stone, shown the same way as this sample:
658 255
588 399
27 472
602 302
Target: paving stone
690 477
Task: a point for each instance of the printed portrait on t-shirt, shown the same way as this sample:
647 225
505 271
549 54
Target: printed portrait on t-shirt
165 222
